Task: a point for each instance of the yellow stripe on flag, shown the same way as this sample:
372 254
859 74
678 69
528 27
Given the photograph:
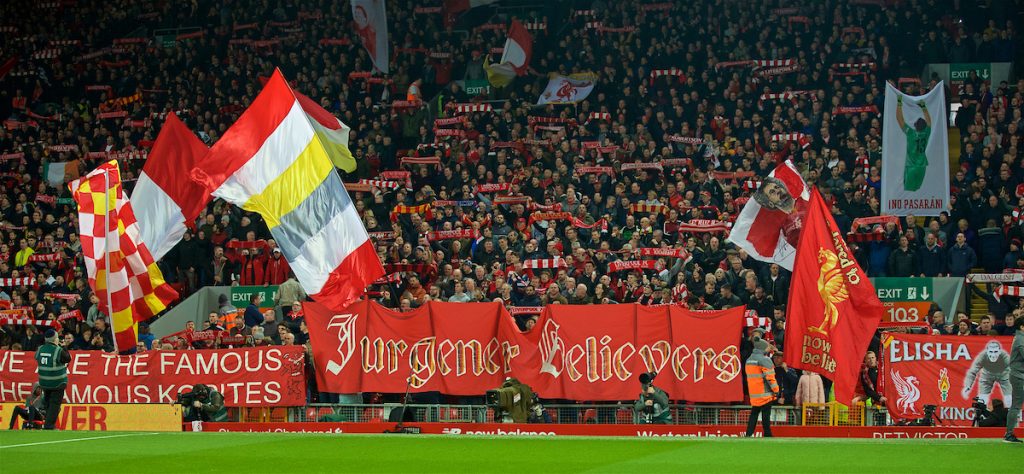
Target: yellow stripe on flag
336 149
297 182
122 320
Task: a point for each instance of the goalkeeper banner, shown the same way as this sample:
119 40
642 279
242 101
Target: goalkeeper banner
915 153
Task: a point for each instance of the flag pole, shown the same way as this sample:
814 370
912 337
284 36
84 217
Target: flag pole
106 253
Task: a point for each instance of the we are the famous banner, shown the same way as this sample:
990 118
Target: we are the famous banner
915 153
250 377
946 371
591 352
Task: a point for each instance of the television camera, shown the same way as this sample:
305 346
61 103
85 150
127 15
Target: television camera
513 402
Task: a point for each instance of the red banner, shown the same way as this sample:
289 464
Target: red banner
834 309
945 371
256 377
592 352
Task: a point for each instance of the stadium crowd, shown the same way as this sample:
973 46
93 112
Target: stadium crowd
516 183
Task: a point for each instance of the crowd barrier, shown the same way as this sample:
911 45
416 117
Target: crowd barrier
829 420
827 414
630 430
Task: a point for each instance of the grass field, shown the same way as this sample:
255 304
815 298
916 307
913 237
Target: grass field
37 451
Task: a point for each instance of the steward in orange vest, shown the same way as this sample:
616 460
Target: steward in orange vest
761 386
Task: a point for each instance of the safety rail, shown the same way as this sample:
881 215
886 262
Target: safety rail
827 414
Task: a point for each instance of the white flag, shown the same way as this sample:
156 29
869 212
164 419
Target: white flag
915 153
769 225
567 90
372 26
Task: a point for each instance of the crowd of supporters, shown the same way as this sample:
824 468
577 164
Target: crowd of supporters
516 183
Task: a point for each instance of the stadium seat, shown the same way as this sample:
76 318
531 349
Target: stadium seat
320 413
373 414
623 416
278 415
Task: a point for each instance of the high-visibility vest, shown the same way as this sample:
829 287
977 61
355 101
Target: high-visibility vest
761 384
52 373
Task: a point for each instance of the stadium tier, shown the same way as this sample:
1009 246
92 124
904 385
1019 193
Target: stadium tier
800 208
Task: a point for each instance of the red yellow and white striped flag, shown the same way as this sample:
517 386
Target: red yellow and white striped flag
121 270
273 161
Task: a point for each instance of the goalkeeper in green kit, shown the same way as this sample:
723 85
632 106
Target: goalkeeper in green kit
917 141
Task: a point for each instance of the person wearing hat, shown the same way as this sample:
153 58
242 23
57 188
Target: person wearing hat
761 386
52 360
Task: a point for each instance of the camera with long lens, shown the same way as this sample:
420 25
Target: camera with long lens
646 379
511 402
928 418
981 413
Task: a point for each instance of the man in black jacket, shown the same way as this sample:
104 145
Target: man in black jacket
902 261
931 259
869 379
776 285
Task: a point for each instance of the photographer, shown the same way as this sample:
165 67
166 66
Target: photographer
984 417
653 406
203 403
33 409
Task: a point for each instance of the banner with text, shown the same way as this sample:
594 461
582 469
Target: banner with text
945 371
107 417
250 377
593 352
915 153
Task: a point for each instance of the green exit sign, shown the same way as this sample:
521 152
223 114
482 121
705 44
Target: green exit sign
904 289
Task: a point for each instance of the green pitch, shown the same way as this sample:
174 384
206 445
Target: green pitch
37 451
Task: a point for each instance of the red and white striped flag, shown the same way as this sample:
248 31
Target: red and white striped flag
680 293
467 108
802 139
22 281
556 262
1004 290
773 62
669 72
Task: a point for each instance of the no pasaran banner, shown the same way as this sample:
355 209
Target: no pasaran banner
915 153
